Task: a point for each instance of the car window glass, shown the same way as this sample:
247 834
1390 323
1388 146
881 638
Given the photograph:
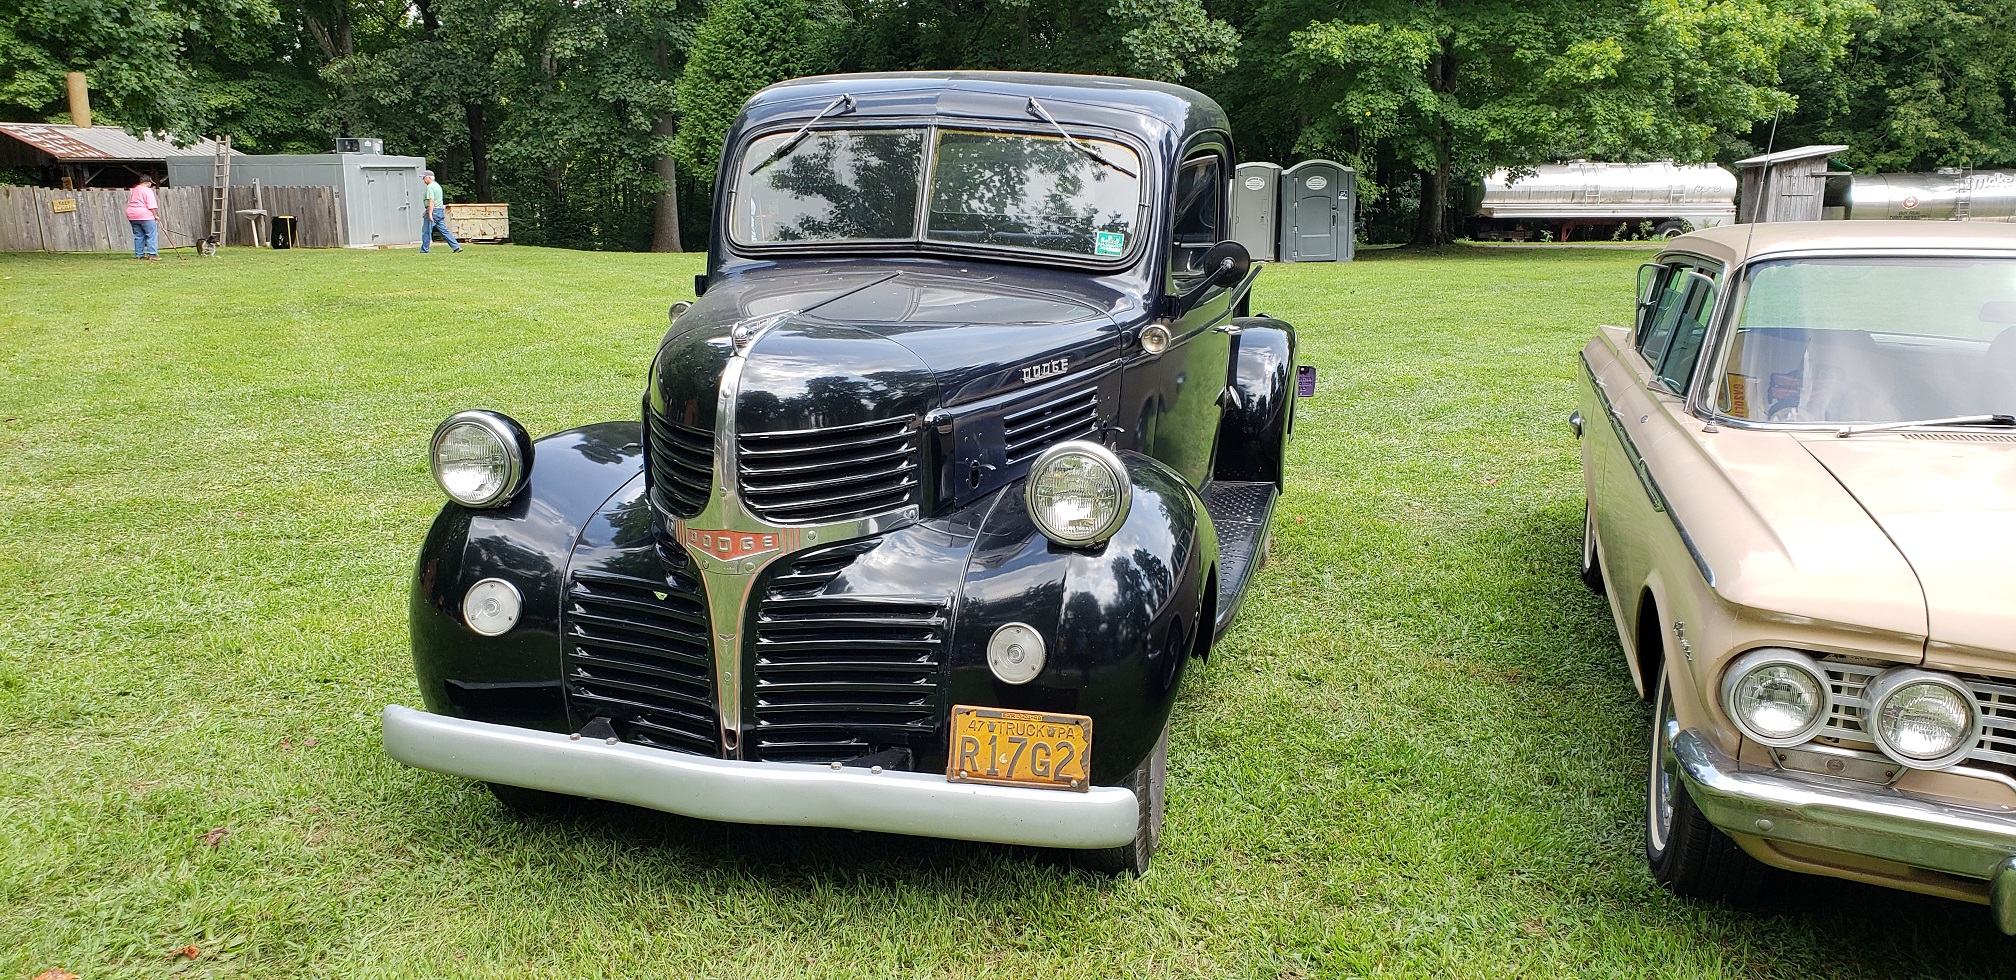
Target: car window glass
1199 221
835 185
1683 347
1872 340
1665 313
1033 192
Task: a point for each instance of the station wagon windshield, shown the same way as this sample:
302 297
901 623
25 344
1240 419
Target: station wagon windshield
1025 192
1872 340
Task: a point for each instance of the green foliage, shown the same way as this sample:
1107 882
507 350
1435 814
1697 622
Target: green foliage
1927 83
1173 40
742 46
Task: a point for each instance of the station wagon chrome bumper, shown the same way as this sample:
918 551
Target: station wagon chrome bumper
782 793
1868 819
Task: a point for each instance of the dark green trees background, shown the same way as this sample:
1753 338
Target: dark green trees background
600 120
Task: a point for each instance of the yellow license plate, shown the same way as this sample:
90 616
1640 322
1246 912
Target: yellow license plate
1020 748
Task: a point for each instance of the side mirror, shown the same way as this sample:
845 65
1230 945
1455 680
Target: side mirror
1226 263
1649 276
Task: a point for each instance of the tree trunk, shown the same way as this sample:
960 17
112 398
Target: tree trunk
479 149
1433 229
665 231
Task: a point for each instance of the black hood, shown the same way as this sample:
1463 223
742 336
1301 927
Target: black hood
848 345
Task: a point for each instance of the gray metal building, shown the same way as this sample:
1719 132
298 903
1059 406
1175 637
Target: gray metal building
378 197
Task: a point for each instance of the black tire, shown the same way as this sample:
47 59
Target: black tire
1688 855
1667 229
1592 566
533 802
1147 782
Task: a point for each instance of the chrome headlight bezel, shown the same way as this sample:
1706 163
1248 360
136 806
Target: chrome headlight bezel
1888 684
514 453
1096 454
1750 663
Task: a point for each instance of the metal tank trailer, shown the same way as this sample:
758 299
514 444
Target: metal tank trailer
1601 200
1944 195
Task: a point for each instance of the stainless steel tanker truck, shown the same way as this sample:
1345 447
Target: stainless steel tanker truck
1586 200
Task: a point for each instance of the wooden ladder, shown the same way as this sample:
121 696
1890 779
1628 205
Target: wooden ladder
220 192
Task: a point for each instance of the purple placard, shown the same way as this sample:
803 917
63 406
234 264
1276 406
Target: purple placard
1305 381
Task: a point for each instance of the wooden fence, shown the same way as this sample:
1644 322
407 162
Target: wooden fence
95 220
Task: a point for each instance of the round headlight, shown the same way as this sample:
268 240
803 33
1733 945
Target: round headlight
1922 719
1015 653
1777 697
490 607
1078 493
480 458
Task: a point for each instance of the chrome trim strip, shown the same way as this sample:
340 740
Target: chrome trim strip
776 793
729 573
1840 815
1644 471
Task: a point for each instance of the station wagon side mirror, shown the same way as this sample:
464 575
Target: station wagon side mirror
1649 275
1226 263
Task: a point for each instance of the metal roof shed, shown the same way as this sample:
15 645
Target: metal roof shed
96 156
1789 185
377 195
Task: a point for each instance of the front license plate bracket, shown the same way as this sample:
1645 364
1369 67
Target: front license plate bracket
1030 749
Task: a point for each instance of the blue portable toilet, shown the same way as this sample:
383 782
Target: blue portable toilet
1319 204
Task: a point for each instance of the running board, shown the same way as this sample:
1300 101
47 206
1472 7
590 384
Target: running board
1242 513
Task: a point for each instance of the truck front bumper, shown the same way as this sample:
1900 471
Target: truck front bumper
1854 818
783 793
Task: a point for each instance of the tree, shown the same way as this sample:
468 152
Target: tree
1455 90
1927 83
742 46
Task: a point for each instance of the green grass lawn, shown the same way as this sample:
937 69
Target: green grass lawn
1418 754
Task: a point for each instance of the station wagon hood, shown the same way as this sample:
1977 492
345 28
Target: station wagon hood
1947 500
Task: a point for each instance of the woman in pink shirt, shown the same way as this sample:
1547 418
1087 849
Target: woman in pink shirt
143 212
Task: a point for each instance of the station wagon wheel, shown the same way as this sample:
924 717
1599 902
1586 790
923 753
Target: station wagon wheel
1687 854
1147 782
1592 572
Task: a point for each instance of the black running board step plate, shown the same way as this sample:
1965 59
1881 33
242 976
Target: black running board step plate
1242 513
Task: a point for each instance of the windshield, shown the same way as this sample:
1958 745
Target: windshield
1004 190
835 185
1034 192
1872 340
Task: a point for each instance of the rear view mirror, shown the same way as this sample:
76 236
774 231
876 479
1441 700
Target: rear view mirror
1649 276
1226 264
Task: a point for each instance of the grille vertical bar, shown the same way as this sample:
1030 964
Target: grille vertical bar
842 676
838 473
635 651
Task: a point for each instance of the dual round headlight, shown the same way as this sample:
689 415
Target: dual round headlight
480 458
1921 719
1777 697
1078 493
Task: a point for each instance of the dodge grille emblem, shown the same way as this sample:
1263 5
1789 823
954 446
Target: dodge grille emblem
730 545
1047 369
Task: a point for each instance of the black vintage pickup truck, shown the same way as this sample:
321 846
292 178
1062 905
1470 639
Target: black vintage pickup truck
962 458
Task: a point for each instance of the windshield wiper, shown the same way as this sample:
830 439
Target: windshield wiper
845 102
2001 420
1036 109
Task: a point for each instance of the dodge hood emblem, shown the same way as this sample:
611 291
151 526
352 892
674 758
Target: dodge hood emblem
729 545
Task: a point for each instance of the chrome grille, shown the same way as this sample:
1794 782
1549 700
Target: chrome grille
636 652
1031 430
838 473
681 464
842 676
1995 699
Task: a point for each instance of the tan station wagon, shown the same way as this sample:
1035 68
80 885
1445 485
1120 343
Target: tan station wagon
1801 474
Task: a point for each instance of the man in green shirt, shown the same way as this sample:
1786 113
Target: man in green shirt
436 217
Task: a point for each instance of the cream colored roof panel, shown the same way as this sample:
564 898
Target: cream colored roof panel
1735 243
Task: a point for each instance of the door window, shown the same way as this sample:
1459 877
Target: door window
1200 215
1675 321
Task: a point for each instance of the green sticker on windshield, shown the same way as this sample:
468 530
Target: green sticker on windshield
1110 243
